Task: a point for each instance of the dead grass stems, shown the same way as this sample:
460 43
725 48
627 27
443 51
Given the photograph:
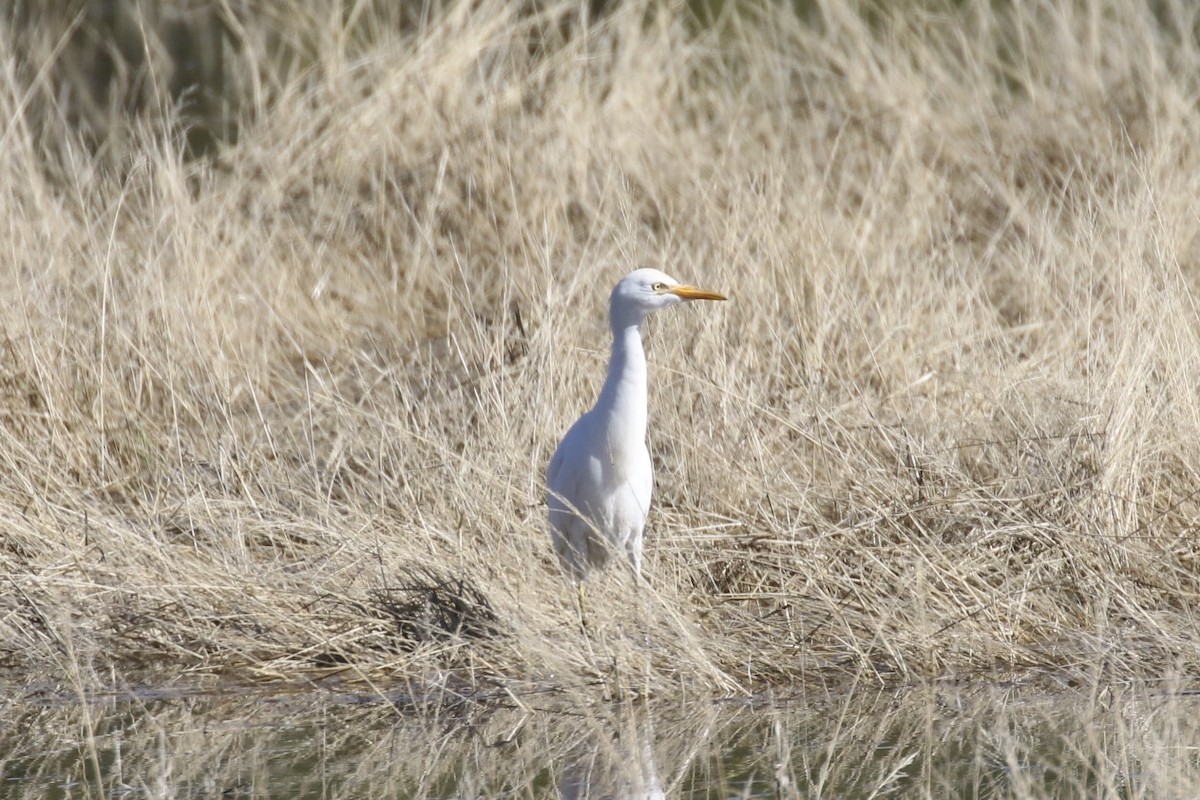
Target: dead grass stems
283 413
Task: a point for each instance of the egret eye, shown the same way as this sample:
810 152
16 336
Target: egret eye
659 287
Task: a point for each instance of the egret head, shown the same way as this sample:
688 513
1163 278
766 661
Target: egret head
647 290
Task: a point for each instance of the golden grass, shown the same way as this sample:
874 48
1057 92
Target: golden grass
285 413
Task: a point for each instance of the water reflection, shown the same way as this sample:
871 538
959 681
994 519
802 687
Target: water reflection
608 769
927 742
615 757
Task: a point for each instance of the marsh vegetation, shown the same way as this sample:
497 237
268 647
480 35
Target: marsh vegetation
276 406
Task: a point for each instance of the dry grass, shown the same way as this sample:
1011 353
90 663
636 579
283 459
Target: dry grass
285 413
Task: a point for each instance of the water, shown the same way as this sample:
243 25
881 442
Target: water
944 742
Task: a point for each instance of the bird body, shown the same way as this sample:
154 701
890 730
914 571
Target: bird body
600 479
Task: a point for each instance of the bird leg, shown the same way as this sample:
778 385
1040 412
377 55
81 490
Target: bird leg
633 549
583 623
635 564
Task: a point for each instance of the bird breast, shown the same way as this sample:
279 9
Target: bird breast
630 479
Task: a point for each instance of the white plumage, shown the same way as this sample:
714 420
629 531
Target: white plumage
600 479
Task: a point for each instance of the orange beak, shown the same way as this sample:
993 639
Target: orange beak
692 293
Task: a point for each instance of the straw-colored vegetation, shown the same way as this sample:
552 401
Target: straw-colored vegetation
280 408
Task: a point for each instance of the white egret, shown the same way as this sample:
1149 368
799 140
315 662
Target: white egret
600 479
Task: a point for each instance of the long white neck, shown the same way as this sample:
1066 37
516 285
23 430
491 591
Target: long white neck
623 399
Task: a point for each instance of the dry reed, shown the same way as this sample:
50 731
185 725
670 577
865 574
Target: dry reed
283 413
